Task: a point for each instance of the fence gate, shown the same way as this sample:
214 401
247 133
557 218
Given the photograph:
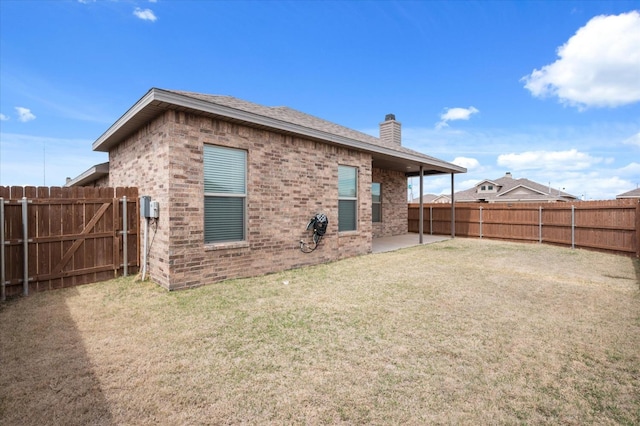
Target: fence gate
62 237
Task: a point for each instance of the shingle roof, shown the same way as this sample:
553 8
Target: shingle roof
432 198
634 193
282 119
289 115
282 113
506 188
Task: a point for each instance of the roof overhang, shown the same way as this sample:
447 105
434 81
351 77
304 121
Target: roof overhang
507 193
90 175
410 165
156 101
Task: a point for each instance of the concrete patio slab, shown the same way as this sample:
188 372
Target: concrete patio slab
384 244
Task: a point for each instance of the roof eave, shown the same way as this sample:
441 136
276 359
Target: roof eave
502 194
91 175
114 134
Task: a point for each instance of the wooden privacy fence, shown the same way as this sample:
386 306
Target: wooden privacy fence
62 237
612 226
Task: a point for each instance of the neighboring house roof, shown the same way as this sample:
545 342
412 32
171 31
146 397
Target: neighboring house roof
634 193
90 175
283 119
486 182
508 189
432 198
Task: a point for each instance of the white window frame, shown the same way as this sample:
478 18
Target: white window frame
353 198
378 203
242 195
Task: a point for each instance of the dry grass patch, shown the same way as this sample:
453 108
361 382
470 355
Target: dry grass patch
463 331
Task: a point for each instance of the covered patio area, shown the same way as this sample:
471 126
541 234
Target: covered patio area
384 244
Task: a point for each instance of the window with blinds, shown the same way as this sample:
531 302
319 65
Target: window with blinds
376 203
225 194
347 198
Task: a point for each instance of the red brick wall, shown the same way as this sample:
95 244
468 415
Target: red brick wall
102 182
289 180
394 203
143 161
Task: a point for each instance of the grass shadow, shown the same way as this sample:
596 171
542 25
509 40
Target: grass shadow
46 375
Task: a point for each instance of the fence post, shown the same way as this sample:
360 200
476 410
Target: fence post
431 220
453 209
421 212
540 225
125 250
3 294
573 227
638 229
480 222
25 246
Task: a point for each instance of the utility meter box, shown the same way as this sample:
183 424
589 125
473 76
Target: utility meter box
154 209
145 210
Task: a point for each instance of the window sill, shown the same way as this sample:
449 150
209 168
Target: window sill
348 233
226 246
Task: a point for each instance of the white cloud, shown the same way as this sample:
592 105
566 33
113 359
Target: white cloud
631 170
3 117
458 113
597 67
468 183
589 159
633 140
25 114
553 161
596 186
466 162
452 114
145 14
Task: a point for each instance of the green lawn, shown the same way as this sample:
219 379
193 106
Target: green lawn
457 332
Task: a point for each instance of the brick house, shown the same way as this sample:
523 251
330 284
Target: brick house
238 182
507 189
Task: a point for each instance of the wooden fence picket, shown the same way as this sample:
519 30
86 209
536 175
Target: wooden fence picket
74 236
611 225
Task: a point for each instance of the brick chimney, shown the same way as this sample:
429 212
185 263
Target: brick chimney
390 130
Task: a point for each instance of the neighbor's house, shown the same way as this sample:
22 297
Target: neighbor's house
237 184
509 190
432 198
634 193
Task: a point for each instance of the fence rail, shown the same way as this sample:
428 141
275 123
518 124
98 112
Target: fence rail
612 226
62 237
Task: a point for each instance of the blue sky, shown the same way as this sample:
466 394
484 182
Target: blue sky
547 90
